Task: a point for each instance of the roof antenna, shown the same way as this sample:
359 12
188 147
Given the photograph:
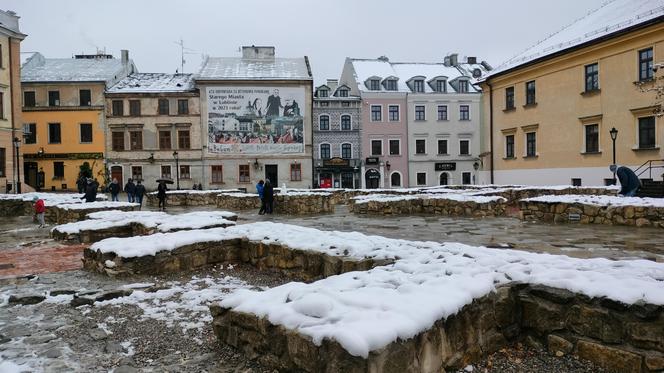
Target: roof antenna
183 50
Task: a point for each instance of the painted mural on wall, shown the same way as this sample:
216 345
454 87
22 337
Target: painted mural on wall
255 120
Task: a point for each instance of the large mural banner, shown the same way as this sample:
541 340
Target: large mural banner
255 120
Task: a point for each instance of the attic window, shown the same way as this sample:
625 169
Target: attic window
441 85
343 93
322 93
463 86
391 85
418 85
374 85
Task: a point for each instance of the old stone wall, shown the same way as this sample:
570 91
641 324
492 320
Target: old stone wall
57 215
513 196
291 204
185 198
432 206
560 212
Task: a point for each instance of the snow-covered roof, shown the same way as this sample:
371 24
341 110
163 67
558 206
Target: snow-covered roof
610 18
40 69
154 82
237 68
404 72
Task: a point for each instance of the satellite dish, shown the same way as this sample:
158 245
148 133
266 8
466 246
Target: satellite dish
477 73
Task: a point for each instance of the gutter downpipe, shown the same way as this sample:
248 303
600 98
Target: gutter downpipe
491 126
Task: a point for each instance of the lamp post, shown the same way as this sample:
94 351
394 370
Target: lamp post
177 170
17 144
614 136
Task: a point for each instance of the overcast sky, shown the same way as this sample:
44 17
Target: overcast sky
326 31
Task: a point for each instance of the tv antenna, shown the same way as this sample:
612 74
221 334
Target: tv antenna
183 50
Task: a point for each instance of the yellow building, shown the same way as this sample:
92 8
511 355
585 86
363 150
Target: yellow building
549 111
64 116
10 101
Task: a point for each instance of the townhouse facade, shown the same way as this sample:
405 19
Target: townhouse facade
555 113
257 113
153 130
64 116
336 137
11 132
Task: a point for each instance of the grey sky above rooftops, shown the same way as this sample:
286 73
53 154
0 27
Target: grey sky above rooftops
326 31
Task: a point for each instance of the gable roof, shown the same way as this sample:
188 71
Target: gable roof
237 68
39 69
154 83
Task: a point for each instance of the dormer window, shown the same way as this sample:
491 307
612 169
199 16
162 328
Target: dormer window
374 85
418 85
391 85
323 93
342 93
441 86
463 86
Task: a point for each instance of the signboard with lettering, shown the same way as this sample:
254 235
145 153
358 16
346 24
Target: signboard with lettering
336 162
371 160
445 166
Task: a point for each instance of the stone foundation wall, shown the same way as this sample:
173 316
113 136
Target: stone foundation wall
617 337
290 204
430 206
185 198
559 212
513 196
238 202
57 215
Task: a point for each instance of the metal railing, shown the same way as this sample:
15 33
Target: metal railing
648 166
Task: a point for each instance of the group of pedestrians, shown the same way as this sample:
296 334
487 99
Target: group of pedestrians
266 193
135 192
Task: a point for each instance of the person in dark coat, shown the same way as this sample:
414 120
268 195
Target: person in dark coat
139 193
260 188
161 195
130 189
629 182
80 184
273 104
114 188
90 191
268 196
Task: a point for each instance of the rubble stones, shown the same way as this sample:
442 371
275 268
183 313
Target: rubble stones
26 299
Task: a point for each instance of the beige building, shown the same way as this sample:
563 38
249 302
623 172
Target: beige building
10 102
548 112
154 130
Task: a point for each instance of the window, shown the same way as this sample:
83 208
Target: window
463 86
393 113
324 122
592 77
376 113
376 147
645 64
322 93
134 108
346 151
576 182
531 144
646 132
30 130
117 108
166 172
442 146
395 147
117 141
374 84
217 174
183 107
420 146
345 104
3 162
345 123
325 151
136 140
421 178
184 141
343 93
324 103
465 178
163 106
53 98
441 86
54 133
165 140
509 98
530 93
418 86
395 179
86 132
419 112
137 172
347 179
29 99
391 85
2 105
442 112
464 112
296 172
245 177
464 147
185 172
1 62
509 146
58 170
592 138
85 97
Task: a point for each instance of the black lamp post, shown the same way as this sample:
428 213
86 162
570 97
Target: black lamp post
614 136
177 170
17 144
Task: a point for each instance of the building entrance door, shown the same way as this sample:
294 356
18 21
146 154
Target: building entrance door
116 173
30 172
372 178
271 172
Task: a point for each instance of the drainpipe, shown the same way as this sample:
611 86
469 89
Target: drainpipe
491 126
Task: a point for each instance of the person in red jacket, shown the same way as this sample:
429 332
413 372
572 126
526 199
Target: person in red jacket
40 210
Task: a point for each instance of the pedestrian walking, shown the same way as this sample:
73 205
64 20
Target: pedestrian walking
268 196
139 193
81 183
40 211
161 195
260 188
90 191
114 188
130 189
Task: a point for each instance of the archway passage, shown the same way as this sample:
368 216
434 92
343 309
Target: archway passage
372 178
444 179
395 179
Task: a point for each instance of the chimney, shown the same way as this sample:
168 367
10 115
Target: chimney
471 60
257 53
454 59
446 61
333 84
125 56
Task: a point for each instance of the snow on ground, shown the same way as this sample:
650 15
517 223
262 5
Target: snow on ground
96 205
150 219
239 195
196 191
459 197
50 199
599 200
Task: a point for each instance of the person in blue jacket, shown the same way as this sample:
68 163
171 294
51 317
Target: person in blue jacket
629 182
260 188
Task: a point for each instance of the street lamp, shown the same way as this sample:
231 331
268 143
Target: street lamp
614 136
17 144
177 170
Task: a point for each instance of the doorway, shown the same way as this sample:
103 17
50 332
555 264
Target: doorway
116 173
271 172
372 178
30 172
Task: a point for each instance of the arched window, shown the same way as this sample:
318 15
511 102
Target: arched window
395 179
346 151
325 151
444 178
345 122
324 122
